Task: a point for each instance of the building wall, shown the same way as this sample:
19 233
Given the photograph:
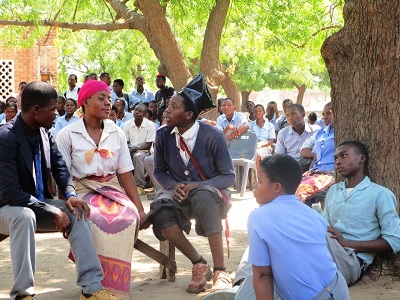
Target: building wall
26 64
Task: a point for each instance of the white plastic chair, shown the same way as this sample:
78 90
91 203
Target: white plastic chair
243 151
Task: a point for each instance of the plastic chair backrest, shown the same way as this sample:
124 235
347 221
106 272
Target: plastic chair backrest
244 146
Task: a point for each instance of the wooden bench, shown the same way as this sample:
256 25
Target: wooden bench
165 257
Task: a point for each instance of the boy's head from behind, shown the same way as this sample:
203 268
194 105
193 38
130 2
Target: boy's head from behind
278 174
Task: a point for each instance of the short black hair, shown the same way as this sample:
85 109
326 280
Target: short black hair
283 169
11 104
120 82
149 112
114 108
287 101
259 105
361 149
37 93
249 101
61 98
298 107
71 99
122 100
229 99
104 74
21 83
73 75
312 116
153 101
11 98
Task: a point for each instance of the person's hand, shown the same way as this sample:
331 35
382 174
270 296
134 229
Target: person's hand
142 225
80 204
188 188
62 221
337 235
179 193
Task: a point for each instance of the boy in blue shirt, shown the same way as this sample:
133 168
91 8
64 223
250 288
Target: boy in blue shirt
362 215
287 240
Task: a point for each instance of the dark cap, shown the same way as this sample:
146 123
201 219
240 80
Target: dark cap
198 94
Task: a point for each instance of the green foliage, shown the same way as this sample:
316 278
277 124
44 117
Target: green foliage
264 43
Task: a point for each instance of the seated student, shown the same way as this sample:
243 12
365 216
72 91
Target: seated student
68 118
118 86
249 105
232 123
113 117
28 153
281 122
122 115
193 165
286 238
320 177
291 138
11 110
272 112
265 132
312 118
60 106
287 243
362 215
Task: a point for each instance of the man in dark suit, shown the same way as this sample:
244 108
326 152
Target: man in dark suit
28 155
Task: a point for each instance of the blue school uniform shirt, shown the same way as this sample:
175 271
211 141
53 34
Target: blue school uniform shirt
367 213
237 120
291 238
324 149
266 132
61 122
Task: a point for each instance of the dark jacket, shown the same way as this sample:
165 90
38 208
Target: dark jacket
17 178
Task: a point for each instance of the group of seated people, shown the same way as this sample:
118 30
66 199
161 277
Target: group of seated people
91 162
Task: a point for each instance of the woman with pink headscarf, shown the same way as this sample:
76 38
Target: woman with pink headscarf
95 151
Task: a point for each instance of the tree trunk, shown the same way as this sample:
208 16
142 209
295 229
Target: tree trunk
363 62
301 91
245 98
163 42
209 59
231 90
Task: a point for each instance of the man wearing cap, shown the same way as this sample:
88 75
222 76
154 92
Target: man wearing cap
164 93
192 164
28 155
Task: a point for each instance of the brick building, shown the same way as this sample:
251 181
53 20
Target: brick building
31 64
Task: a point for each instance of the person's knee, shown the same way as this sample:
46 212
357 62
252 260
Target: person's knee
26 218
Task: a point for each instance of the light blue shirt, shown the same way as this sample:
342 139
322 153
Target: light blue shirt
127 116
290 142
144 97
61 122
291 238
237 120
266 132
119 123
2 116
132 100
324 149
366 214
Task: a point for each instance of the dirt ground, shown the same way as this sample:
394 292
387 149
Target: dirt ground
56 277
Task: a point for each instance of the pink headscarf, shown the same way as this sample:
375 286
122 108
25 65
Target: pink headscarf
89 88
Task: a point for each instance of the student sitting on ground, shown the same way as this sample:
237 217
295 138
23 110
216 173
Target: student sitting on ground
287 242
361 214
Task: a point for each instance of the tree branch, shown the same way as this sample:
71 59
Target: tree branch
74 26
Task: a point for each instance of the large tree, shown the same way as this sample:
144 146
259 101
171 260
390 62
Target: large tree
363 62
213 36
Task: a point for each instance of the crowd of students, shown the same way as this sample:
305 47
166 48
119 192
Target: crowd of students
100 134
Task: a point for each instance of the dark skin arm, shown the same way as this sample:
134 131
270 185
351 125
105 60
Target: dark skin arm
181 191
232 132
145 146
61 219
378 245
263 282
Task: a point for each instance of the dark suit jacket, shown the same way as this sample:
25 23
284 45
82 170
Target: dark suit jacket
17 177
